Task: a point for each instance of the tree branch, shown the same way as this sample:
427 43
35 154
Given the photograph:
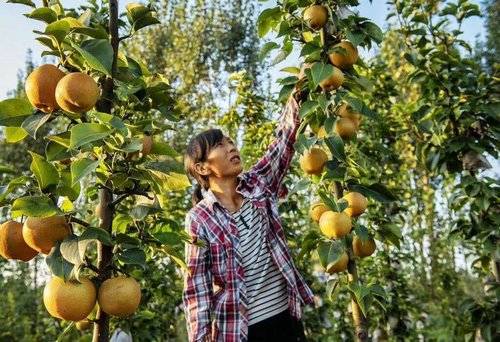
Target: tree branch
80 222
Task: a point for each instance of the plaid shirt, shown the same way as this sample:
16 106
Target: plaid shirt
215 285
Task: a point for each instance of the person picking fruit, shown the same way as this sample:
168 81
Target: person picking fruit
240 267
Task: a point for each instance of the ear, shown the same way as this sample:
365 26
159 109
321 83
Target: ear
202 169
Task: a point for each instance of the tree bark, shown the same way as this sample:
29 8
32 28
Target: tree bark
495 268
360 321
429 212
105 253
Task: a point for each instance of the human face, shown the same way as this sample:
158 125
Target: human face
222 161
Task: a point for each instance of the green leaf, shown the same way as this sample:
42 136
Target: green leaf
360 292
375 191
61 139
22 2
109 119
33 123
378 291
85 133
121 222
420 113
283 54
374 32
330 252
168 225
299 186
176 256
144 22
145 315
140 16
93 234
361 108
98 53
166 166
307 107
291 69
331 288
85 17
362 232
168 238
45 173
124 239
321 72
393 228
133 256
36 206
389 234
97 32
176 182
81 168
44 14
14 134
285 91
14 111
136 11
355 36
337 173
58 29
73 23
57 264
5 169
54 151
69 250
336 146
330 203
284 29
163 149
266 19
411 57
310 50
450 9
13 184
141 211
304 143
309 243
268 47
64 188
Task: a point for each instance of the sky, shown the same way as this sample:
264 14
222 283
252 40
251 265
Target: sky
17 34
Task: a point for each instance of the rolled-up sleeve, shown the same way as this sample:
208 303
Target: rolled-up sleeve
276 162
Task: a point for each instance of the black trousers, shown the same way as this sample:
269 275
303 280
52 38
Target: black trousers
282 327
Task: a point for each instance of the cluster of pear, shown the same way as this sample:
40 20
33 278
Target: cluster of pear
335 225
75 300
50 89
344 54
67 300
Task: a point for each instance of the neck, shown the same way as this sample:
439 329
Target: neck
224 189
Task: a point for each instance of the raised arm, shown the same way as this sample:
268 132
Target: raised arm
276 162
197 294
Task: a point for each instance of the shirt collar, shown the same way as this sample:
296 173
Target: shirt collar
210 197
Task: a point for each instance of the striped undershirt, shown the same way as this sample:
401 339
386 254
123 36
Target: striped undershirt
266 286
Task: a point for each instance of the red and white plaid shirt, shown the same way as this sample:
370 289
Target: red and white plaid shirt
219 261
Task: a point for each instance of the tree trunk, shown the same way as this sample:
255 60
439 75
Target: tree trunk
429 212
360 321
495 268
105 253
